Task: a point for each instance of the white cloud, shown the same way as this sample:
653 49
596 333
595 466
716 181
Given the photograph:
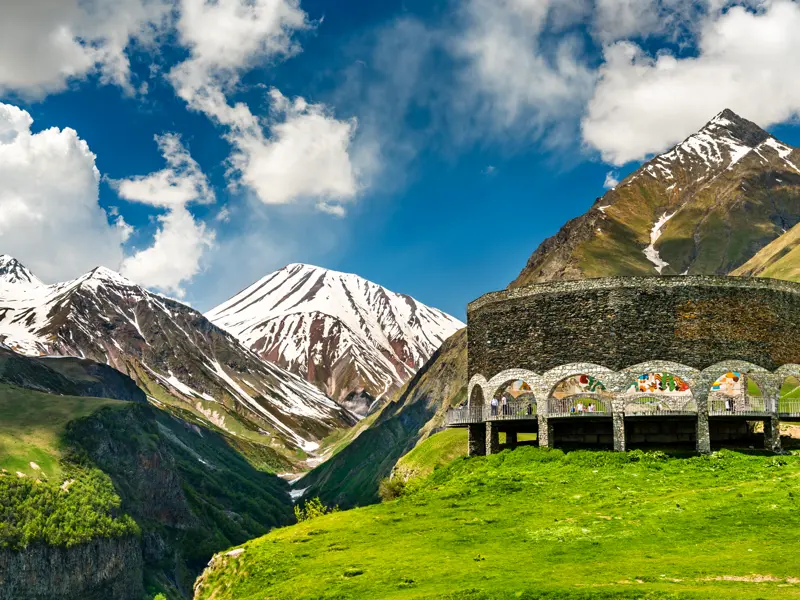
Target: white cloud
524 85
304 152
611 180
644 104
50 218
180 183
304 156
180 240
46 43
174 257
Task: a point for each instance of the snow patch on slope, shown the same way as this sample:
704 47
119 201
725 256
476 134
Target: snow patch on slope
655 233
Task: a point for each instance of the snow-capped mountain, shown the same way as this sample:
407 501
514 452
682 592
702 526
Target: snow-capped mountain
339 331
706 206
174 353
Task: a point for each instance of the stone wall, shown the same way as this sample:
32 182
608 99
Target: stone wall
696 321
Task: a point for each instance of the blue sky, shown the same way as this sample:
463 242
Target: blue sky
427 146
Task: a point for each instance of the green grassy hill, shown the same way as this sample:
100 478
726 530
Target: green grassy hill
32 427
534 523
779 259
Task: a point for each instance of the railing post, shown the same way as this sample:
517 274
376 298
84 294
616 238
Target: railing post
476 439
492 438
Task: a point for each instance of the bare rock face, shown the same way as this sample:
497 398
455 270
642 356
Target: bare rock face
99 570
338 331
703 208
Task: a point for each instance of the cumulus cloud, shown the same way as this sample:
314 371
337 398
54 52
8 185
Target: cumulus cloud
50 218
180 240
46 43
302 151
643 104
305 155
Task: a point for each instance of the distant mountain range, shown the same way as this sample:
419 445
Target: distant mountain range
355 340
173 352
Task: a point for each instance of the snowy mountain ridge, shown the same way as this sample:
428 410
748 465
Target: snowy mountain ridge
337 330
168 348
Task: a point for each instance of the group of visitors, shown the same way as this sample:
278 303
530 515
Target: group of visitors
580 407
505 408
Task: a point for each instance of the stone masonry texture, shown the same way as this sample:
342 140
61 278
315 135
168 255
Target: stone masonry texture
617 322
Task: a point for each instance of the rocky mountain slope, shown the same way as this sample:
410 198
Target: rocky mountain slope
343 333
352 476
705 207
172 352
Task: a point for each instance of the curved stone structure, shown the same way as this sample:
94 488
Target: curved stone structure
614 330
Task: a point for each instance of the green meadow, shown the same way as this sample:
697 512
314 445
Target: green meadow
537 523
32 426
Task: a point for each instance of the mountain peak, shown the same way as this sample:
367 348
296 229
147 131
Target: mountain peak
730 125
14 272
107 276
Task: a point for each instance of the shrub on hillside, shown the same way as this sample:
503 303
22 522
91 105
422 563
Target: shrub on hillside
81 509
312 509
391 488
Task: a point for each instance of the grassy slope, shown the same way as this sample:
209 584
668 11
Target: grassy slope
780 259
541 524
31 427
351 477
434 452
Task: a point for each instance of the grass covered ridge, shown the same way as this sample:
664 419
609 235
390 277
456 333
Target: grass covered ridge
537 523
32 426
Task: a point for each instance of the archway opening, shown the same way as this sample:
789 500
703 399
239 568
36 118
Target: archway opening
735 392
580 394
513 399
659 394
476 397
789 401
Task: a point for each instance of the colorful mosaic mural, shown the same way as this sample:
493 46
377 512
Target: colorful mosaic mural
578 384
660 383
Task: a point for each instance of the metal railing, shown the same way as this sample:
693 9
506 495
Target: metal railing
789 408
645 404
719 405
514 410
464 415
579 405
511 411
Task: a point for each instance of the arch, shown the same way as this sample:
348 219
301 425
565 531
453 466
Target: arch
476 384
738 387
554 377
684 372
501 380
660 391
789 398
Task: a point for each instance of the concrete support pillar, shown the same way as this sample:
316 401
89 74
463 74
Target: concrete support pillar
618 422
545 432
511 439
477 440
703 433
772 434
492 438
